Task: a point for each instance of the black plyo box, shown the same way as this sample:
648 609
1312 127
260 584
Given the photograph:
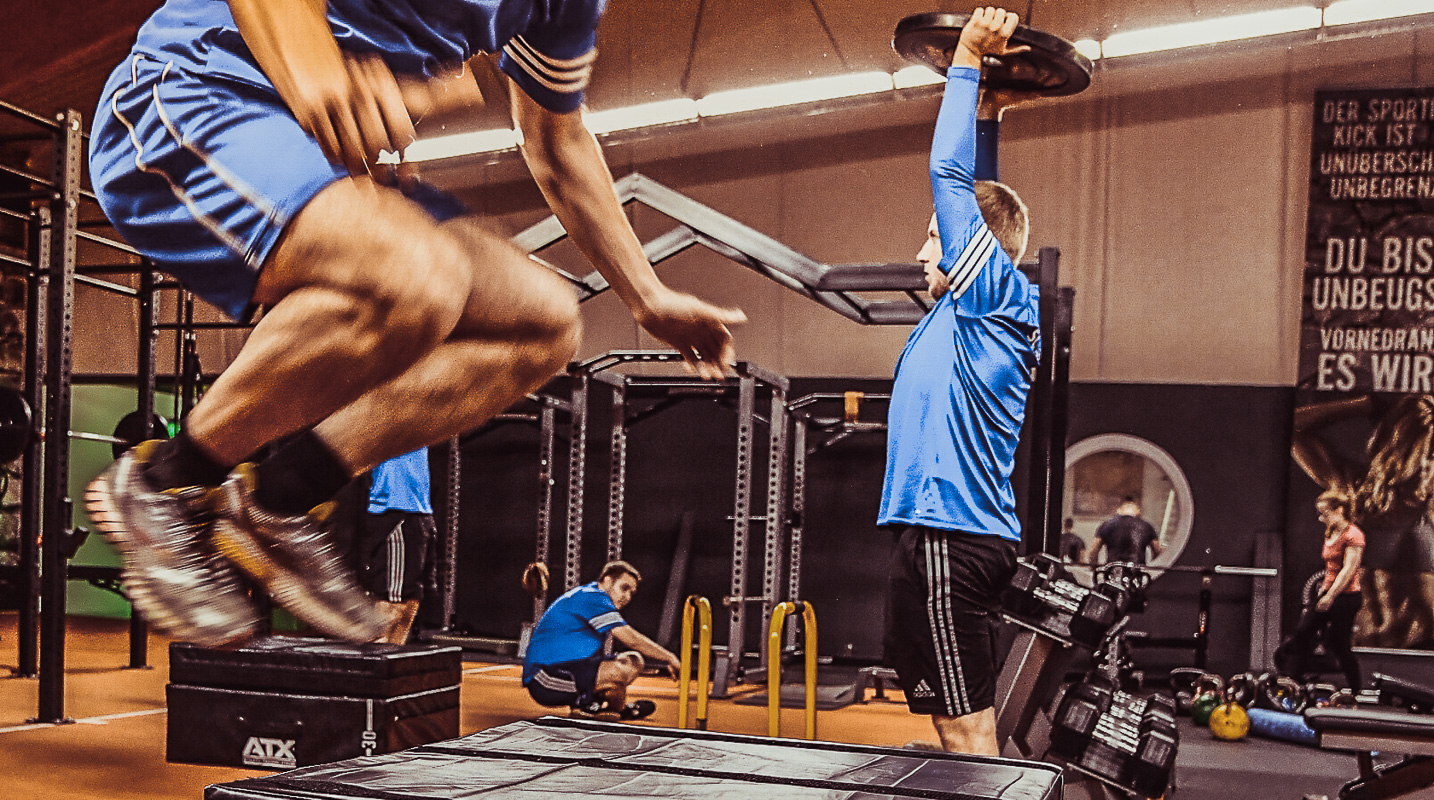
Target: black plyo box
285 702
268 730
556 757
318 666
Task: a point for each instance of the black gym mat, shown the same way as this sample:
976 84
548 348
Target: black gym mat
579 758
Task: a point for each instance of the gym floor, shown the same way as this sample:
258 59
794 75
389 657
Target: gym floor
116 749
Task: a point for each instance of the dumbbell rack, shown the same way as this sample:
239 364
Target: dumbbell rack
1031 679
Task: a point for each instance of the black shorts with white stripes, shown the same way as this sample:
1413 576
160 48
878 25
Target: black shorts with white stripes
570 683
396 554
943 595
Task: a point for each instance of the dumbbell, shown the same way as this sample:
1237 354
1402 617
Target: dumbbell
1125 583
1094 616
1159 714
1153 762
1020 595
1076 717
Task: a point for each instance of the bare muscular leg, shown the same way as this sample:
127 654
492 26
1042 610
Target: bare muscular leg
410 330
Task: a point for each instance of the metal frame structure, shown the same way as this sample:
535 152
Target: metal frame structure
546 418
55 232
833 285
670 390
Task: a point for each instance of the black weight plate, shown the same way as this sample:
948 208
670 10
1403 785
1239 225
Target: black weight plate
15 428
131 429
1052 67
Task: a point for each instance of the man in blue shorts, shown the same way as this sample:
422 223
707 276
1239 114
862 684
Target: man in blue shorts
566 665
238 148
955 418
397 542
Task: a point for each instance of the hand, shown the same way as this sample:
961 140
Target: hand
353 113
674 667
695 329
1325 603
987 32
994 102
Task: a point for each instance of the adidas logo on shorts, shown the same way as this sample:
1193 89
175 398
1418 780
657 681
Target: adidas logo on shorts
922 690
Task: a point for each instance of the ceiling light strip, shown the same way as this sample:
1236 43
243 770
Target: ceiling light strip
763 98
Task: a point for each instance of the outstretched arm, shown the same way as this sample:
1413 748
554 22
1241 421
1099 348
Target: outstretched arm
633 638
569 168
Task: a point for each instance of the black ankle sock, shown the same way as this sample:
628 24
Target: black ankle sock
301 475
181 462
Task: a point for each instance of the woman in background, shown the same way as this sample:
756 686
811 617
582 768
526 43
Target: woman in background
1330 618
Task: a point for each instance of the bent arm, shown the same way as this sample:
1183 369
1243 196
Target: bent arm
568 165
290 39
632 638
1352 556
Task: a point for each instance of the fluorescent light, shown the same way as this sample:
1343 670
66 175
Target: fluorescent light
914 76
1345 12
664 112
788 94
461 144
1223 29
1089 48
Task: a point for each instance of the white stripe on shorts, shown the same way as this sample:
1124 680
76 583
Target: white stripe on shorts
547 681
395 563
180 194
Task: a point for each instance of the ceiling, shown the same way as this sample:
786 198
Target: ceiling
59 52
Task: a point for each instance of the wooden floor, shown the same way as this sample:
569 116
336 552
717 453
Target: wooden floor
115 749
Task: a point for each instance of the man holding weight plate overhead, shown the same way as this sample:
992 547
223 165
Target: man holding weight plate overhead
956 411
237 147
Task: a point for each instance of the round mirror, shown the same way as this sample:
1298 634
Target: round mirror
1117 481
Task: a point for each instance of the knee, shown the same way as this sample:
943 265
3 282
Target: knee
418 304
632 664
559 320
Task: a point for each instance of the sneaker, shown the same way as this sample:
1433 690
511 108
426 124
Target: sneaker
171 572
596 708
637 709
295 560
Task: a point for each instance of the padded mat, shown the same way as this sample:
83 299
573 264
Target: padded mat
581 758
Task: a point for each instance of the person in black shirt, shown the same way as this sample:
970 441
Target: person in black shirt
1072 546
1125 536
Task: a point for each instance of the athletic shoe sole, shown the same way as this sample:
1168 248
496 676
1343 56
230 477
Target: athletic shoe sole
141 590
286 587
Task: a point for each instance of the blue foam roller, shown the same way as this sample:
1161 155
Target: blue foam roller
1281 725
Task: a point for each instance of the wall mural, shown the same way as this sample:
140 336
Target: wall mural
1364 404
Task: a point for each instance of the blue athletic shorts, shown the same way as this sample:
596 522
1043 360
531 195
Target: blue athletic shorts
203 172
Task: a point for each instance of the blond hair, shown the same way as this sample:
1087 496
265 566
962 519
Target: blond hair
1337 499
1006 216
1401 459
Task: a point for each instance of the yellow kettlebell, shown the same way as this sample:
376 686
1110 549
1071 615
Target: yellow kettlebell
1230 721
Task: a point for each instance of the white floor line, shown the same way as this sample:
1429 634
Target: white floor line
100 720
492 668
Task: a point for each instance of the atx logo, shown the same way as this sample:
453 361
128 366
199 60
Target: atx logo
261 751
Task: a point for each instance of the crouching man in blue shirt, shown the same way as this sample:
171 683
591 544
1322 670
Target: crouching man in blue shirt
956 411
566 664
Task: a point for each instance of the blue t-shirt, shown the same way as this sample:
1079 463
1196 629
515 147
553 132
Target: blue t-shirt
401 484
574 627
961 383
548 46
